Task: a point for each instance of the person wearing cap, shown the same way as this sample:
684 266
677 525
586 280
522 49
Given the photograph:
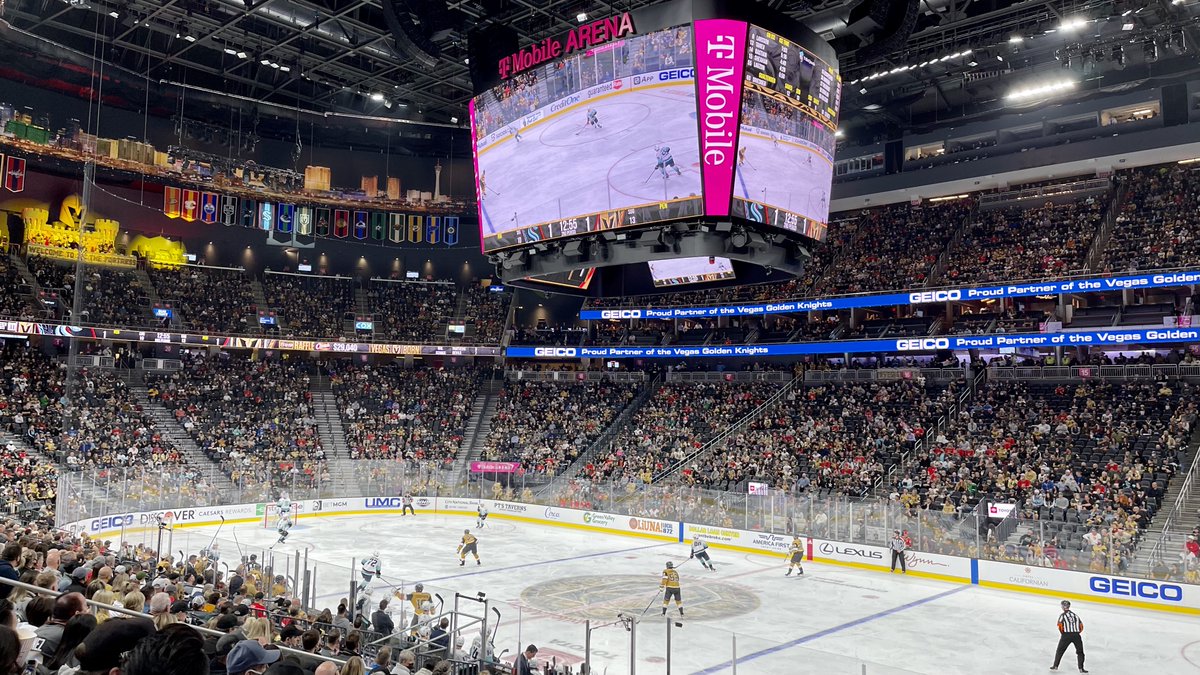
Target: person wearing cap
250 658
101 651
231 627
78 582
525 665
1070 632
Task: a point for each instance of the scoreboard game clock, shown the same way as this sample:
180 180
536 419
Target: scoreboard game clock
688 129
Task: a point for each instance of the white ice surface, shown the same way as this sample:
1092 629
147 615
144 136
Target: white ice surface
833 620
786 175
562 168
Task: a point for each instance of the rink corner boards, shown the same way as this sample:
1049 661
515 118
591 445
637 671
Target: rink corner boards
1144 594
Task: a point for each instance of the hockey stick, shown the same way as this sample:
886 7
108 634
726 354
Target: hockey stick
214 537
497 626
441 602
652 600
241 554
650 176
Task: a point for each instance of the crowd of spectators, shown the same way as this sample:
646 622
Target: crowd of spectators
487 310
676 421
544 426
1090 460
118 608
411 311
837 438
1157 221
253 417
310 306
210 299
411 414
1032 243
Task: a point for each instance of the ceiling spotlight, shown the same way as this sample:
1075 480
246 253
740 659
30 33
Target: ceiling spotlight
242 55
1073 23
1015 39
839 133
1128 25
230 52
115 14
453 120
265 61
376 96
581 17
285 69
1040 90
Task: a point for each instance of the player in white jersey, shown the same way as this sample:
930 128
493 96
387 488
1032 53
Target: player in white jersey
666 161
282 526
593 119
369 569
700 551
482 520
516 133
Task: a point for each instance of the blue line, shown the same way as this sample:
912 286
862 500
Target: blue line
681 531
742 180
975 571
828 631
521 566
486 217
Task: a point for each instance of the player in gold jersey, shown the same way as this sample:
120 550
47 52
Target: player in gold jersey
467 546
421 603
670 585
795 557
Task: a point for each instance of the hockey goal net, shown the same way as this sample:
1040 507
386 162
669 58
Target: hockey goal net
271 515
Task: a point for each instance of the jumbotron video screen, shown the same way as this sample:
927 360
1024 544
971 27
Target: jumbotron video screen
603 139
787 138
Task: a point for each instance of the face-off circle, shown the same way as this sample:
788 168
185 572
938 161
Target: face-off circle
601 597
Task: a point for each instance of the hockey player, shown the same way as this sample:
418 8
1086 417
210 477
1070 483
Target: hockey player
665 161
468 545
282 526
482 520
593 120
670 585
369 569
700 550
421 602
482 195
516 133
795 557
407 507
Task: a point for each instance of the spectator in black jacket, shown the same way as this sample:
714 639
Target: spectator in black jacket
380 621
8 570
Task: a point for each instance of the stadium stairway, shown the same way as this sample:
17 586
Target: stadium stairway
23 270
483 409
333 435
260 301
619 423
180 438
151 292
1171 537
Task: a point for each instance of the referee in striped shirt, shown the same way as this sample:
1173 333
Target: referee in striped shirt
1070 628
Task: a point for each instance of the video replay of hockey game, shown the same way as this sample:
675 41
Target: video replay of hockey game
603 139
680 271
787 138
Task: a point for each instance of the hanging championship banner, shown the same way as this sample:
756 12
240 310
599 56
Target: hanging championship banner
249 213
191 205
451 225
229 212
208 207
433 229
322 222
284 221
304 220
396 228
416 229
172 202
360 224
378 225
341 223
14 175
266 216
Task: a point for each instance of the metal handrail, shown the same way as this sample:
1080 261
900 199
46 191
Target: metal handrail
1189 484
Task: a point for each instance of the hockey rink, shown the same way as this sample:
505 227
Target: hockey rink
562 167
546 581
787 175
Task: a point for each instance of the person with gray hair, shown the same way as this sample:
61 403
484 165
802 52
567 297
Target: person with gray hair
405 662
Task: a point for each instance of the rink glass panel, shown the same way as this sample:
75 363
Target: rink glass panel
91 494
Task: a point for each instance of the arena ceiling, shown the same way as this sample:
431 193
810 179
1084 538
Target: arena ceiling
340 56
